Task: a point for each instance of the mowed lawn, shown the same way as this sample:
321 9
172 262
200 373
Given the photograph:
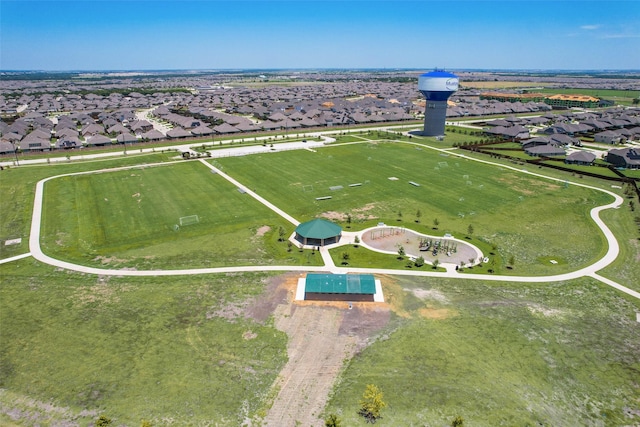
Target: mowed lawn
532 219
554 354
131 219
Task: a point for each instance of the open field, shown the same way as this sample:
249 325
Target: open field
213 348
499 355
176 351
131 219
535 214
17 187
503 84
208 349
624 97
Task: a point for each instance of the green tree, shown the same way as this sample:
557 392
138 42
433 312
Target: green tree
103 421
399 215
356 241
436 263
146 423
418 215
333 421
281 234
401 252
457 422
470 230
348 220
419 261
436 223
512 260
345 258
371 403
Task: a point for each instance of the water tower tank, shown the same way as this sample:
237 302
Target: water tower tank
436 86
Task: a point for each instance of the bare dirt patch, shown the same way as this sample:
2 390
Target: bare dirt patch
430 294
334 216
249 335
101 292
321 337
263 230
436 313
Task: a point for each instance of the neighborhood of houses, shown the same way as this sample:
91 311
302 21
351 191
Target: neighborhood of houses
68 115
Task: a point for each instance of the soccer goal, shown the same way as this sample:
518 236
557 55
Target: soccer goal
189 220
307 188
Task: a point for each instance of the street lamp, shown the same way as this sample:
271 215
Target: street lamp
15 153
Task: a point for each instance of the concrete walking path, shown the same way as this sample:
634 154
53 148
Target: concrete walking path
590 271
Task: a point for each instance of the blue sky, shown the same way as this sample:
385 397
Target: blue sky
212 34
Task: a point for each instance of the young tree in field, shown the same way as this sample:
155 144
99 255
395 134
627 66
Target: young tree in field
281 234
371 403
103 421
348 220
457 422
419 261
512 261
345 258
436 223
333 421
146 423
436 263
399 215
401 252
356 241
470 230
418 215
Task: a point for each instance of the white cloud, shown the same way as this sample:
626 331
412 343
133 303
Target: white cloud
590 27
620 36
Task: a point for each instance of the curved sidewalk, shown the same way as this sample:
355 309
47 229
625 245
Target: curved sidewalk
591 270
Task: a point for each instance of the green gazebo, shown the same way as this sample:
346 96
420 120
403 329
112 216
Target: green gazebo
318 232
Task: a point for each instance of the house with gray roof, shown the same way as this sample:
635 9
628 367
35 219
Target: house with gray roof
177 133
608 137
98 140
584 158
35 144
628 158
153 135
68 142
126 138
545 151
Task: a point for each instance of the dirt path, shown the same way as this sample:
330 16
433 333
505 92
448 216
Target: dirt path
316 353
321 337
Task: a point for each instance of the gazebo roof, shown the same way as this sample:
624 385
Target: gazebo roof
318 229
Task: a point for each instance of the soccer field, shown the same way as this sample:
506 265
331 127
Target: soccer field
132 219
532 219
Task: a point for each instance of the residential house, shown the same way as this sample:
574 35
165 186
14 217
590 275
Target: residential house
584 158
628 158
608 137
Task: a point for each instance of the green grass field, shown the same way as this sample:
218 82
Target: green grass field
624 97
183 350
499 355
175 351
535 214
131 218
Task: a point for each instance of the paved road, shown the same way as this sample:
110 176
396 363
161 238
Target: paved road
590 271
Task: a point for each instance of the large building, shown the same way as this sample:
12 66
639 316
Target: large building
555 101
436 86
